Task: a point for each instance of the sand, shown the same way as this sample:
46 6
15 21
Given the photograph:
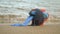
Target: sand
46 29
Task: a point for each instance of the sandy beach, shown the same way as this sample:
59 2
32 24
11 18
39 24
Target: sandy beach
46 29
16 11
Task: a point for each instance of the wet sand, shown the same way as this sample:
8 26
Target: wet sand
47 29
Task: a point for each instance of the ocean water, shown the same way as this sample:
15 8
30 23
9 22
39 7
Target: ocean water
23 7
12 6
